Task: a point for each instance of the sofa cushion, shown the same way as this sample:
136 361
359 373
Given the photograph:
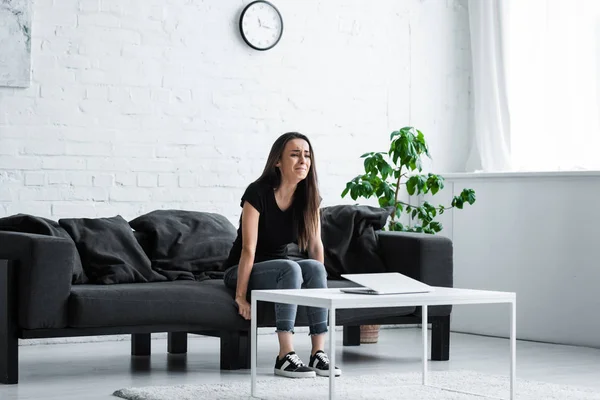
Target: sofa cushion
266 311
157 303
207 304
109 252
185 244
25 223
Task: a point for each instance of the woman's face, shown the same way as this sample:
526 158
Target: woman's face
295 161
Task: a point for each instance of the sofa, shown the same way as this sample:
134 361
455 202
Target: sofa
50 285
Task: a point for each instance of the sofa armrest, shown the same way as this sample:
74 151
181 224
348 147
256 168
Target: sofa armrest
427 258
44 268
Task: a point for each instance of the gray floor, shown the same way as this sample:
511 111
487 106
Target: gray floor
92 371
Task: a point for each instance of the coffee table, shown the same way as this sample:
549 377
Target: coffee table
333 299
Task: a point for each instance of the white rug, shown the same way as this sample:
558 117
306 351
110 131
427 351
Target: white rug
385 386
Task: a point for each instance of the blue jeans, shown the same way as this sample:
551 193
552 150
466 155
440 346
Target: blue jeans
287 274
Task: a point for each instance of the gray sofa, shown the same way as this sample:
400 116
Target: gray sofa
39 300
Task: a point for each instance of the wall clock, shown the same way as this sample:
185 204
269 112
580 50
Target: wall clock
261 25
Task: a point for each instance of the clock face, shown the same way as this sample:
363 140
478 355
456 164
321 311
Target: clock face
261 25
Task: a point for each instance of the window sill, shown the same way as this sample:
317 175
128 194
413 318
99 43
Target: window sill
512 175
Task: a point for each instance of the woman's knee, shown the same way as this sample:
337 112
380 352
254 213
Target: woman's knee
313 269
291 274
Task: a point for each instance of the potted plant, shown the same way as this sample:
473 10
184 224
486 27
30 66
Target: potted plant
388 174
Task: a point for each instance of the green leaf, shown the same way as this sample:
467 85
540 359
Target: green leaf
416 183
434 182
435 226
430 210
354 192
348 187
368 164
411 184
385 168
458 203
468 195
398 210
396 226
418 164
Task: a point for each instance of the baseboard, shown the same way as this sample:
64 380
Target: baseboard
163 335
82 339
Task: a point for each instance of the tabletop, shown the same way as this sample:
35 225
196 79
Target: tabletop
334 298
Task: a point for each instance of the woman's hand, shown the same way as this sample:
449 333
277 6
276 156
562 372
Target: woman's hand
243 307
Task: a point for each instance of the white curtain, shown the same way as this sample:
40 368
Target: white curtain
554 52
535 85
490 148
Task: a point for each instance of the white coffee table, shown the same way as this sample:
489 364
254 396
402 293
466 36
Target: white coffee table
333 299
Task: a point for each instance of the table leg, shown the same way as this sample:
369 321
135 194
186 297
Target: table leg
513 348
424 334
253 328
332 353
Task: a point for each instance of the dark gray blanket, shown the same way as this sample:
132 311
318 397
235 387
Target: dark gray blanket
349 239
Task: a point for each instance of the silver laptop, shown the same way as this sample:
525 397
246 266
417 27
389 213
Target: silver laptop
385 283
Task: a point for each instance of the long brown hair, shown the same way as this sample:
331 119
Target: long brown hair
306 197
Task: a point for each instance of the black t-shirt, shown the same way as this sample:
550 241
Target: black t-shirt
276 228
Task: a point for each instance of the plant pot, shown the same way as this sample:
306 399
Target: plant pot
369 333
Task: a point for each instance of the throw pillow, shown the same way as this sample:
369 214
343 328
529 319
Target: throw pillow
25 223
109 252
186 244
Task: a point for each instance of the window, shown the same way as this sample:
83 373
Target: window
553 60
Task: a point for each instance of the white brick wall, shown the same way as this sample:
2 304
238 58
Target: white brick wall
150 104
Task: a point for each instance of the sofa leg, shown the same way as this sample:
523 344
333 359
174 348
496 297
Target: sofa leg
9 339
177 343
351 335
140 344
235 350
440 338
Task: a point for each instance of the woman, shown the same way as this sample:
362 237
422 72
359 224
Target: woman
280 207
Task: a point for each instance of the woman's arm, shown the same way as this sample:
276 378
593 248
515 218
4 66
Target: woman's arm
315 244
250 217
